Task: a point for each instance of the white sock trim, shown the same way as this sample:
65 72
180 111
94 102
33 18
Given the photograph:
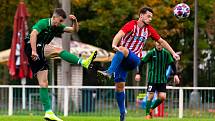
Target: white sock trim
79 61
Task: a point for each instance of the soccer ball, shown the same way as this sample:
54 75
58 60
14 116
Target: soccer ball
181 11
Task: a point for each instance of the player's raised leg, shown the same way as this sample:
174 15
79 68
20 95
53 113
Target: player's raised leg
87 62
116 61
71 58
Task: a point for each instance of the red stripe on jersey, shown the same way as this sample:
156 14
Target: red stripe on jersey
131 43
125 39
136 49
135 37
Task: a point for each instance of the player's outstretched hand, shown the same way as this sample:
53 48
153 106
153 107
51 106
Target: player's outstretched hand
176 57
72 17
176 79
137 77
34 56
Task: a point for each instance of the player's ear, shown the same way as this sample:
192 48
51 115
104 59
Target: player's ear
53 17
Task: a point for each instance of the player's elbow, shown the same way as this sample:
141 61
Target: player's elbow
33 34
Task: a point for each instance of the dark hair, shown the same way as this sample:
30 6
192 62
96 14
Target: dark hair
145 9
60 12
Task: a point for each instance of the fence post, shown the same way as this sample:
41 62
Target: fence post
66 101
181 96
10 101
23 81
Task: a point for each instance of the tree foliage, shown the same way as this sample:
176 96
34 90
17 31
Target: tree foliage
37 9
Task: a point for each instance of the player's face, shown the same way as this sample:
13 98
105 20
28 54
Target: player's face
57 20
158 46
147 17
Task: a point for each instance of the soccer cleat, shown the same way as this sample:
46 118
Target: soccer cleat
148 117
105 73
122 117
50 116
86 62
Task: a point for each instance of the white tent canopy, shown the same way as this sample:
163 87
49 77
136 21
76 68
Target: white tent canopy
78 48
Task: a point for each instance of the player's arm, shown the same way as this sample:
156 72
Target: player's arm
176 78
33 40
139 68
116 39
125 29
169 48
173 66
74 27
138 72
164 44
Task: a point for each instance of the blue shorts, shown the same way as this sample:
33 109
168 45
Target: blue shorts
127 64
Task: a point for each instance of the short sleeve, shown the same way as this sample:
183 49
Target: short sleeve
128 26
148 56
61 28
153 33
170 58
40 25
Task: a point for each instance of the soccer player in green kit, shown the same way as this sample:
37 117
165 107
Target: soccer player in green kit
37 42
158 60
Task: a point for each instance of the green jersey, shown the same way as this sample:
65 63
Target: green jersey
158 62
46 31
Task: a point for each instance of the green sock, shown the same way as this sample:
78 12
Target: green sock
65 55
157 103
148 106
44 98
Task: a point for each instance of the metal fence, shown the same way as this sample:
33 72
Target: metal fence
100 101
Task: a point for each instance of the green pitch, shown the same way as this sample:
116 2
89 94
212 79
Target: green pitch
99 118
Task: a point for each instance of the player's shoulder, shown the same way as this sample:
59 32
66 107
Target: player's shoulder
132 22
152 50
44 21
149 26
42 24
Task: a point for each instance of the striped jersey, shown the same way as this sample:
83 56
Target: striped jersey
158 62
135 36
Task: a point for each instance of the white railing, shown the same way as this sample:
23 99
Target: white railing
178 99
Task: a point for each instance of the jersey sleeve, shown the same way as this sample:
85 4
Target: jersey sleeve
128 26
153 33
170 58
40 25
61 28
147 57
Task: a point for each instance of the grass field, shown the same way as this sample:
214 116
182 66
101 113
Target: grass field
90 118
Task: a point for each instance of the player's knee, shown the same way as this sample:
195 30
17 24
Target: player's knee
151 96
58 50
120 86
163 98
119 89
43 84
124 50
